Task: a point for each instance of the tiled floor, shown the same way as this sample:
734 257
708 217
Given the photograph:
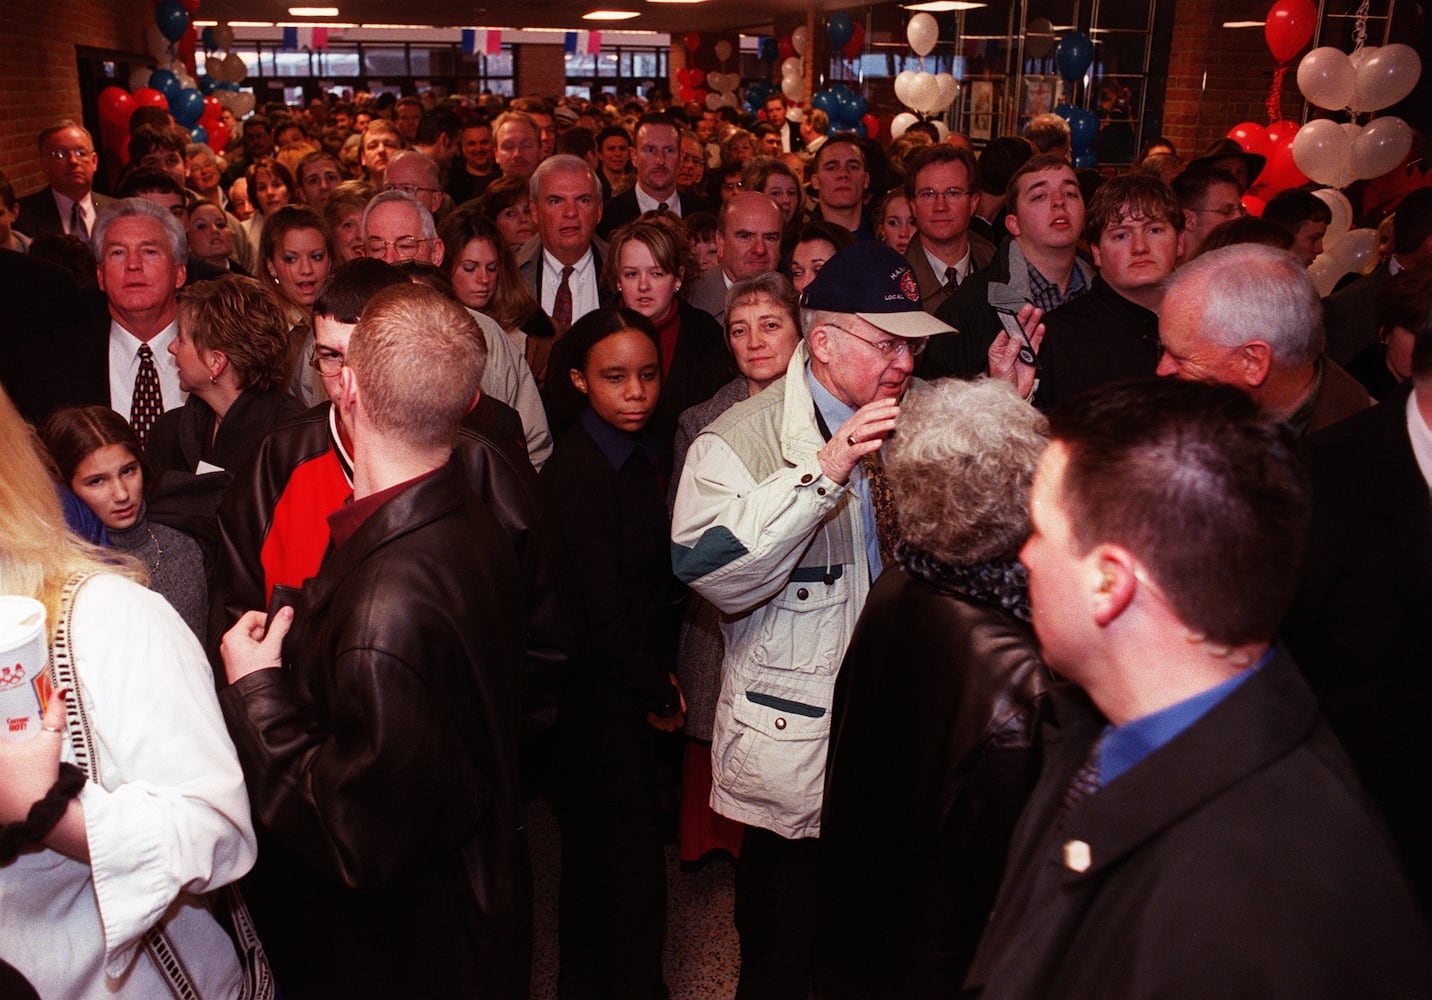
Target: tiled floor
702 954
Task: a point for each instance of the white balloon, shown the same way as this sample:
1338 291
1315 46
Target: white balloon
713 101
243 103
902 85
1322 151
1355 249
949 90
1359 55
793 87
1381 148
791 67
1326 78
924 92
1342 215
901 122
1387 76
235 69
729 100
799 39
942 129
923 32
723 50
1325 272
223 36
187 81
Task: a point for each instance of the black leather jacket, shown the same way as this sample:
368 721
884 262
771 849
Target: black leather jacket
503 481
934 749
381 762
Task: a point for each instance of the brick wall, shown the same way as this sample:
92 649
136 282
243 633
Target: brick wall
1218 77
541 69
41 77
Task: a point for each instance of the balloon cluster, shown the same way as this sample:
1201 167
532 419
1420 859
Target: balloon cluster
847 36
712 88
792 50
1370 79
922 92
1344 249
846 109
1275 144
1073 55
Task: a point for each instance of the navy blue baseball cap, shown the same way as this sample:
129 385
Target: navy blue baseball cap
872 281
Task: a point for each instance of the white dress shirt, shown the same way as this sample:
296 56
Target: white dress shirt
124 367
962 269
65 206
1421 436
647 203
583 283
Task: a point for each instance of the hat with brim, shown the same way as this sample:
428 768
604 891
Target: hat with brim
873 282
1225 149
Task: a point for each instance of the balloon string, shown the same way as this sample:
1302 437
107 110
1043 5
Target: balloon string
1359 30
1275 96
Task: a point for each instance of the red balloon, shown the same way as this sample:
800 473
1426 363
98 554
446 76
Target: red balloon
1281 132
218 137
1254 205
698 76
856 44
192 6
184 49
693 41
871 123
688 94
1289 27
683 76
213 110
1252 137
1281 172
148 97
115 107
785 47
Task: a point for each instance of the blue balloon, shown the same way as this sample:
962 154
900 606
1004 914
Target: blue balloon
826 101
207 84
166 83
1084 159
859 129
841 29
1065 111
228 85
842 92
199 134
1083 128
1074 55
187 107
859 106
770 49
172 19
206 38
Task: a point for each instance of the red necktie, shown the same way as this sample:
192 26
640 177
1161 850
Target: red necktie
148 400
562 304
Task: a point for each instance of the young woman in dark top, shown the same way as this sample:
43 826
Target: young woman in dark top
604 493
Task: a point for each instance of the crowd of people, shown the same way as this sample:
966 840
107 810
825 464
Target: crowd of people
1018 571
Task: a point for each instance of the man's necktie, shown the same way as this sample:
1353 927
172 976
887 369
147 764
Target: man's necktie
882 497
663 207
148 400
952 277
562 303
77 223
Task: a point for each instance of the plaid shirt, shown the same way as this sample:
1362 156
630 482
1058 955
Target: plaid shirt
1045 293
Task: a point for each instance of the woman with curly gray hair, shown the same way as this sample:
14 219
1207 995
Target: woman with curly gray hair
934 736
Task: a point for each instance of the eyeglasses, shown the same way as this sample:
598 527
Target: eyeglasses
410 189
326 363
928 195
69 154
895 347
406 247
1234 211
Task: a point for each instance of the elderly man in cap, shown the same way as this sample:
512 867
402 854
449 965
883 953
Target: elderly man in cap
782 520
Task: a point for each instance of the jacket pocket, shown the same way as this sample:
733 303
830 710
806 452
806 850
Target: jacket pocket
805 626
774 755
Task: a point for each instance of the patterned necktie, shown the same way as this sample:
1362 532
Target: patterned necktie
562 304
148 401
882 497
663 207
77 223
1085 781
952 277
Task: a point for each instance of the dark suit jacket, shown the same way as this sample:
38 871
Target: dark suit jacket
530 265
623 208
933 290
1350 315
1359 623
41 308
71 369
39 215
1240 859
708 293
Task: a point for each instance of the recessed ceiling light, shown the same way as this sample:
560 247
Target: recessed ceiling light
313 11
1243 24
676 1
942 6
610 15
